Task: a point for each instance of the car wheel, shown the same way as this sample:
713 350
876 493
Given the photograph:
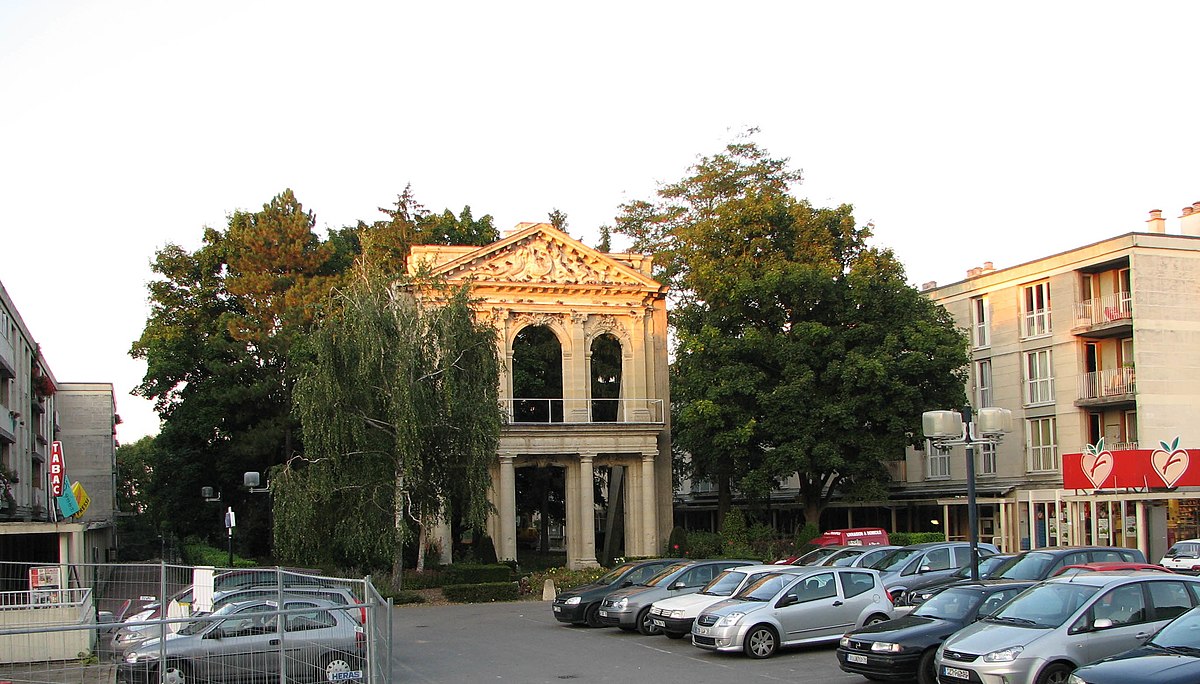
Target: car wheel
927 669
592 615
674 635
874 620
644 625
1055 673
175 673
336 664
761 642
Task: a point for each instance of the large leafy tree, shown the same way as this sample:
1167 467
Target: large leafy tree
400 378
800 349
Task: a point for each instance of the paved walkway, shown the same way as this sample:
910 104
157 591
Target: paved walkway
69 672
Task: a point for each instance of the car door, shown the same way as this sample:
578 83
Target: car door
240 644
311 635
1125 607
818 610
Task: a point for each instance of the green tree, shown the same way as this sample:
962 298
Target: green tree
403 379
800 350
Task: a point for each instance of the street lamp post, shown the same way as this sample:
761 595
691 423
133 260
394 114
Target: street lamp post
951 428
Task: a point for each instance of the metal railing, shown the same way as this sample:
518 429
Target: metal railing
1113 383
1110 308
583 410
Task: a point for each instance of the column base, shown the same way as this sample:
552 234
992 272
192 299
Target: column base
582 563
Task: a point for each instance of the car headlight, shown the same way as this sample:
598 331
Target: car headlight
731 619
1004 655
135 657
1075 679
573 601
845 642
885 647
622 604
675 614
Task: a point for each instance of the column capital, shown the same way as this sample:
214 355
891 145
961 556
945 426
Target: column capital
648 456
507 458
586 458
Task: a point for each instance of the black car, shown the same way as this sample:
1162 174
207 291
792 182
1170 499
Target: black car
579 606
919 592
904 648
1170 657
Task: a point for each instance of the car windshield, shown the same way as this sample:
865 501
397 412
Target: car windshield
197 626
766 587
1045 605
1182 633
894 560
844 557
986 567
615 574
724 584
665 574
816 556
950 604
1027 566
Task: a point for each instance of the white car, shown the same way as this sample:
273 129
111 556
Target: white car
1183 555
674 616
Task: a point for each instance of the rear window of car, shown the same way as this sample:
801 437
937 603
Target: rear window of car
855 583
1028 566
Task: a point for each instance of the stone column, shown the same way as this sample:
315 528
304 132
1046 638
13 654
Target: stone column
587 512
649 509
572 525
506 545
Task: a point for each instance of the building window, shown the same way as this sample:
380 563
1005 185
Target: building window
1039 377
981 323
987 459
1041 444
983 383
938 462
1036 308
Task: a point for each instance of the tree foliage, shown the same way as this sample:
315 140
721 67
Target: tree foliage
800 349
403 378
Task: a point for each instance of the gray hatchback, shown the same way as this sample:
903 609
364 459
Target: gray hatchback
629 608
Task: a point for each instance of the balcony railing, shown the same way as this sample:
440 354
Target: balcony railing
584 410
1111 308
1114 446
1115 383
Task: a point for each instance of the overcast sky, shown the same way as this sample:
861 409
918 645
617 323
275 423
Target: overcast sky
965 131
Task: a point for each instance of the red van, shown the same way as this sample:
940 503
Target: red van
855 536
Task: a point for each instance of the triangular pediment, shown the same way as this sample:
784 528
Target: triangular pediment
540 254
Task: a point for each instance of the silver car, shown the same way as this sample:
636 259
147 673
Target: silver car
629 608
1050 629
322 642
919 564
817 605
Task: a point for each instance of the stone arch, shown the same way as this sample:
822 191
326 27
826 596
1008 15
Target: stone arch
538 378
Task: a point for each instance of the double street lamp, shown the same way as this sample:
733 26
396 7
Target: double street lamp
952 428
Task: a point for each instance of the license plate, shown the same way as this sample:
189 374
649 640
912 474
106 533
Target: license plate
604 613
558 609
856 658
956 672
658 623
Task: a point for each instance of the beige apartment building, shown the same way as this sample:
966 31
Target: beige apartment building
1096 351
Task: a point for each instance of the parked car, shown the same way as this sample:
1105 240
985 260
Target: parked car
1108 567
857 556
322 645
923 563
133 634
674 616
1047 631
581 605
905 648
1039 564
1172 656
1183 555
918 592
811 557
780 609
629 608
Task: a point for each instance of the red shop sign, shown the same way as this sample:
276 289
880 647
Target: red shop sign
57 468
1098 468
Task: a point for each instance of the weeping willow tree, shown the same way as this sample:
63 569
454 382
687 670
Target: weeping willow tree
399 406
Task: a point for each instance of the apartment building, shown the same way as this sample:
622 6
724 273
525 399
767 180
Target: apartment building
1095 351
36 412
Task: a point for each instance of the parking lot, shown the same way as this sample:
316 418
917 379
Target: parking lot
522 642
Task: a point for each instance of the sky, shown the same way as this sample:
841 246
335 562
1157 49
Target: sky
964 131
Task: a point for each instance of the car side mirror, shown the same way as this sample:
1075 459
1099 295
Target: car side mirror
678 584
1102 623
627 583
925 568
787 600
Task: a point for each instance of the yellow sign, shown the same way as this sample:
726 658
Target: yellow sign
82 497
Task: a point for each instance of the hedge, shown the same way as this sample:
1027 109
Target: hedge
481 593
909 538
463 573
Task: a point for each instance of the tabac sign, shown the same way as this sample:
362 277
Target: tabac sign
1167 466
58 468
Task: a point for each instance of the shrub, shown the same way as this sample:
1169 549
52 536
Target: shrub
400 598
195 552
760 533
677 543
733 530
908 538
806 533
487 592
465 573
428 578
563 578
704 545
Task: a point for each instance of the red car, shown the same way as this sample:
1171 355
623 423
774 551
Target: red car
1113 566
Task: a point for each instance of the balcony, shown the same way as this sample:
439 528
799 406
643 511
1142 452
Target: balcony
1107 387
1108 316
1114 446
584 411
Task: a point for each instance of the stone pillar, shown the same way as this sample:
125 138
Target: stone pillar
649 510
1143 535
587 512
571 526
445 537
506 545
